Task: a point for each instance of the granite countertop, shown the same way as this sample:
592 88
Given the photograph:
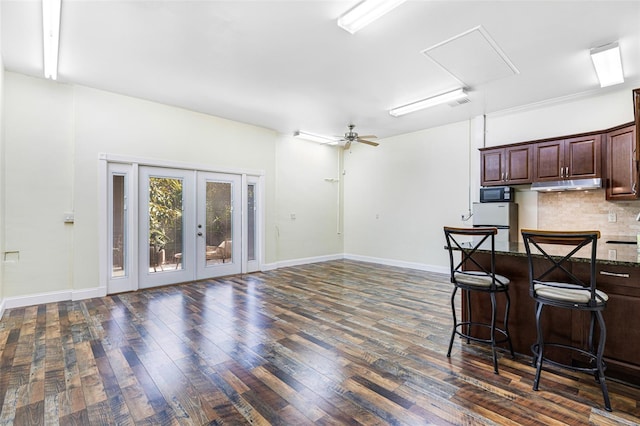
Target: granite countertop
608 253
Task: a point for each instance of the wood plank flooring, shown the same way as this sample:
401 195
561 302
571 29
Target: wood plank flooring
339 342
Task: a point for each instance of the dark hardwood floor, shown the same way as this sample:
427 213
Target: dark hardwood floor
340 342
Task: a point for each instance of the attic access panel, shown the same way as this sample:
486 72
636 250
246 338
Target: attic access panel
473 58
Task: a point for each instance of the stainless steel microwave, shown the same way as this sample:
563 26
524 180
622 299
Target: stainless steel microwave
497 194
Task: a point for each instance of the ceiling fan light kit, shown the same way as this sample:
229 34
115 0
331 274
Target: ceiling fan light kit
442 98
365 13
608 64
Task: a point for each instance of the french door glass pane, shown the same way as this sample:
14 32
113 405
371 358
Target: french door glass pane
218 222
251 222
119 231
165 224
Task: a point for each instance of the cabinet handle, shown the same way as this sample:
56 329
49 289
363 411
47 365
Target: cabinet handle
633 187
507 177
614 274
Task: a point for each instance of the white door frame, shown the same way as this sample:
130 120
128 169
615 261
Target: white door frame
130 166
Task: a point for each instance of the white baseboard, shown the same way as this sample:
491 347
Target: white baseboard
37 299
399 263
378 260
89 293
301 261
51 297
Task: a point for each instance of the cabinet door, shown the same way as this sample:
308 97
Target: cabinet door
622 346
518 164
582 157
548 160
491 167
622 164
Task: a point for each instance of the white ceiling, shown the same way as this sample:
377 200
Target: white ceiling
286 65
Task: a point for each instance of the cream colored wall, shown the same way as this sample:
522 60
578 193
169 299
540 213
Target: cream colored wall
308 199
106 122
54 134
561 117
399 195
38 185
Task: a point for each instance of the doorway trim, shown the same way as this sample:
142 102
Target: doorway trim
248 176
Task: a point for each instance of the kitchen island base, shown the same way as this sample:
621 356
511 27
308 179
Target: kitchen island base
622 315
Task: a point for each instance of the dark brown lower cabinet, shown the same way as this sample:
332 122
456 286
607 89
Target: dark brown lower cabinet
622 315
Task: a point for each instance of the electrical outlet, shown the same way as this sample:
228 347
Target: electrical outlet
612 217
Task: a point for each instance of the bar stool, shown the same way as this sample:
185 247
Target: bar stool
551 282
482 279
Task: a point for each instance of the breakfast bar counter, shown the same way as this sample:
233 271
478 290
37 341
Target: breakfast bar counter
618 275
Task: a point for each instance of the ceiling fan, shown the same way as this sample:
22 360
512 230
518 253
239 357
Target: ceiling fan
352 136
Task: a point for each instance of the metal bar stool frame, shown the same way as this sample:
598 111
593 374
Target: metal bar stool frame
576 295
483 280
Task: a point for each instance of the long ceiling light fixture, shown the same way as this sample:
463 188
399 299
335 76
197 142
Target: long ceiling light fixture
608 64
442 98
365 13
327 140
51 36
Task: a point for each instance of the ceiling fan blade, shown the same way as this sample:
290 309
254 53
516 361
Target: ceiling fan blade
368 136
368 142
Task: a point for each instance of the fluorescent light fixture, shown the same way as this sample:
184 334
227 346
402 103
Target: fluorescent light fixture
442 98
51 36
316 138
365 13
608 64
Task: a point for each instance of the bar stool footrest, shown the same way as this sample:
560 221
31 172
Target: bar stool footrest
591 356
464 335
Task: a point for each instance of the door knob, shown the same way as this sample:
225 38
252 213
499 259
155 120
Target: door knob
199 234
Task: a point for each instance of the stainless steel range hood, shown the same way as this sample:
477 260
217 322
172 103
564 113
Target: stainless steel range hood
567 185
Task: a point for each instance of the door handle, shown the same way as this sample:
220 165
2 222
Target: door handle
199 234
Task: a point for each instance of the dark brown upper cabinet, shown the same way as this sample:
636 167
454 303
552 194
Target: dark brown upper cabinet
571 158
510 165
622 172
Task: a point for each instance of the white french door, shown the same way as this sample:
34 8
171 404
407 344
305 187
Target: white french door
219 225
166 220
173 225
190 226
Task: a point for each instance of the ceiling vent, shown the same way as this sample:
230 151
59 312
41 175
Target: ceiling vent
459 102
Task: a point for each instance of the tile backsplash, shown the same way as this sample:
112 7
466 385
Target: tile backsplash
576 210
